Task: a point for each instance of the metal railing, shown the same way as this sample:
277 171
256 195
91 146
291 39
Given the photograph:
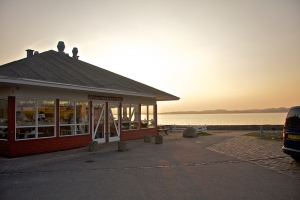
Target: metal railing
179 128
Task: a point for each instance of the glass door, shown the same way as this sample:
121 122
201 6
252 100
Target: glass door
114 122
99 122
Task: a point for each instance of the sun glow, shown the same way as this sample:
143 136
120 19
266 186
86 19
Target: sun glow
224 55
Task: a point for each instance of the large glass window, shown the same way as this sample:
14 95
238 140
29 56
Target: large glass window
134 117
35 118
25 112
147 116
3 118
144 116
151 118
125 116
46 118
74 117
46 110
130 117
82 117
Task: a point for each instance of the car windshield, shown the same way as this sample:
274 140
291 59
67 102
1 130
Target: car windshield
293 118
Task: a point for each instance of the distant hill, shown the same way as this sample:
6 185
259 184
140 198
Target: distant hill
222 111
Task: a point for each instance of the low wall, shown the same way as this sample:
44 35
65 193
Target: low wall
245 127
230 127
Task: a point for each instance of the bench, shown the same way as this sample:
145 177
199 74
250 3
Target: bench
164 128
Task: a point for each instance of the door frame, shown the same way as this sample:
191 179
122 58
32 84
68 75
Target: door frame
102 116
117 126
106 114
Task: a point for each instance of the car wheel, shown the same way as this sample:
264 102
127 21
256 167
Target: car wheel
296 158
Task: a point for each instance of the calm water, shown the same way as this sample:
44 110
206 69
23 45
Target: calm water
222 119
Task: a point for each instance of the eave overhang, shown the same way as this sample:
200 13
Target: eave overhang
39 83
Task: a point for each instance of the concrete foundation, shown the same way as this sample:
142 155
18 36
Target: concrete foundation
158 139
93 146
147 138
122 146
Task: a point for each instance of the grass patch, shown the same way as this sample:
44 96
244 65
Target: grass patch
253 134
266 136
203 134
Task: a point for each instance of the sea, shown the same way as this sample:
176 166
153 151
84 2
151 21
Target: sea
222 119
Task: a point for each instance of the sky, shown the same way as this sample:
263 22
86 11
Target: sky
217 54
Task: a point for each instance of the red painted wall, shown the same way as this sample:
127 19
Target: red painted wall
137 134
12 148
35 146
4 148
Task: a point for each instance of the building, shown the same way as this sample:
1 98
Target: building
51 101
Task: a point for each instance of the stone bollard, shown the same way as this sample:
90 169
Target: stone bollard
93 146
122 146
147 138
159 139
261 132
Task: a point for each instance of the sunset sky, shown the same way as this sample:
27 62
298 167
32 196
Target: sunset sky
217 54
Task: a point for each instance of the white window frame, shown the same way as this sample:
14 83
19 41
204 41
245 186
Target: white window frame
147 114
4 127
36 125
75 124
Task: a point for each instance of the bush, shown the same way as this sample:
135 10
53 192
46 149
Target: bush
203 134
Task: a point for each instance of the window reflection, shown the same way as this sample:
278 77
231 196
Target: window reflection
135 121
151 121
66 112
130 117
3 118
125 116
46 110
147 116
35 118
144 116
293 118
74 117
25 112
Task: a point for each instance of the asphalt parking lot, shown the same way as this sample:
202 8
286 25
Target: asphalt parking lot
225 165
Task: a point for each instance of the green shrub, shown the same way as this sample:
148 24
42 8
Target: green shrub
203 134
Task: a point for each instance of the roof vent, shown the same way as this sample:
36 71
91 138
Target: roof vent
29 53
36 53
61 46
75 52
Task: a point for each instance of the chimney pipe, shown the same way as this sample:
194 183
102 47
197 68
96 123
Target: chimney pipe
29 53
61 46
36 53
75 52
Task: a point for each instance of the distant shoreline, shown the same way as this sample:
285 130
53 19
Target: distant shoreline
221 111
186 113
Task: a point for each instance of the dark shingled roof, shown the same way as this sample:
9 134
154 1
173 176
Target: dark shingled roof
54 67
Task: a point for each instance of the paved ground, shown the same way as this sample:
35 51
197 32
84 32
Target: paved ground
265 153
225 165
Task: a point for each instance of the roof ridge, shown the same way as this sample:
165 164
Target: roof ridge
53 67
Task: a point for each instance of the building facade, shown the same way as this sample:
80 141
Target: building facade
51 101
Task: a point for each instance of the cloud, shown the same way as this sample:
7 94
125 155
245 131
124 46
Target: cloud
40 41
